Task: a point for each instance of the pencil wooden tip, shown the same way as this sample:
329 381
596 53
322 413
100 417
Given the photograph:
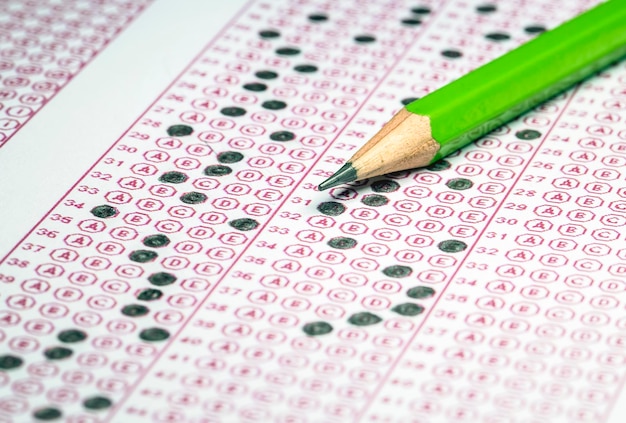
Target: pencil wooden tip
405 142
346 174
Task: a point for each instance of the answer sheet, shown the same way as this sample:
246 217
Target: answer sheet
167 257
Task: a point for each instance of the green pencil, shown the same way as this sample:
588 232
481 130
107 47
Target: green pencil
466 109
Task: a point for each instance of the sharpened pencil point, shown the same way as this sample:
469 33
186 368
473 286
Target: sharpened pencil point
344 175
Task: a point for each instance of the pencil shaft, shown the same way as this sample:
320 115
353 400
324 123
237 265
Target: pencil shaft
489 96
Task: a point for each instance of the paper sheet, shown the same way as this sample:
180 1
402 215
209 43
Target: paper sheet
168 258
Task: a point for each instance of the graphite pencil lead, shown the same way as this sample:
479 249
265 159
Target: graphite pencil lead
346 174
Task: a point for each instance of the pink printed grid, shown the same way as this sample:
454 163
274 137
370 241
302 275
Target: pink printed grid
44 44
237 350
